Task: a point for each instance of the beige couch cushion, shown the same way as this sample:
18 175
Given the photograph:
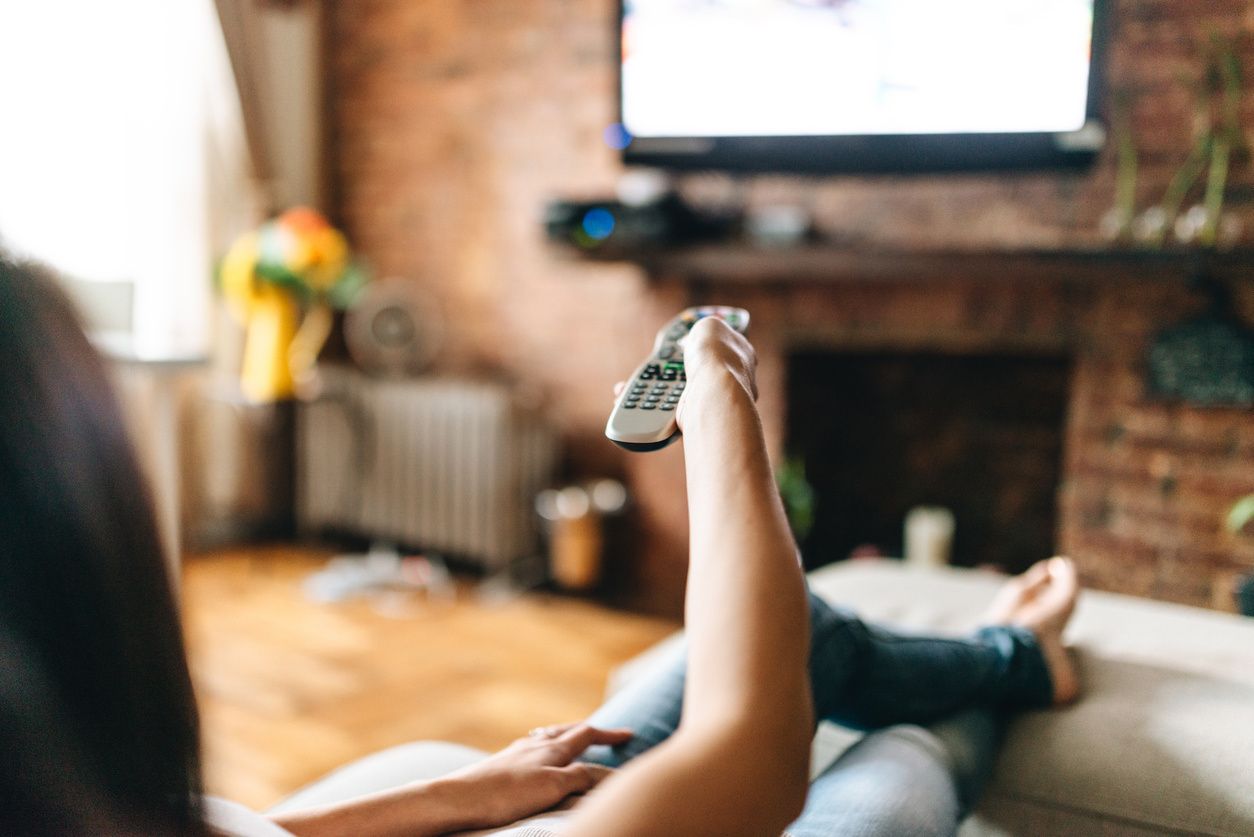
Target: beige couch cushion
1163 739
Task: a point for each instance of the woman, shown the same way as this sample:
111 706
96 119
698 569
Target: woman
86 616
100 731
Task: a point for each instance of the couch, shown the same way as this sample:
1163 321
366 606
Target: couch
1162 741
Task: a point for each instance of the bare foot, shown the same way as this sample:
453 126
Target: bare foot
1042 600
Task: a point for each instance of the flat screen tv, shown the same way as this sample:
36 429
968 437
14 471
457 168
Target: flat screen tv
860 85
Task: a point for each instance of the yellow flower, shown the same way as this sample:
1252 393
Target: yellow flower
239 279
329 258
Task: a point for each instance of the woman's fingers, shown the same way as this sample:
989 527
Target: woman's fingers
551 731
580 737
713 342
582 777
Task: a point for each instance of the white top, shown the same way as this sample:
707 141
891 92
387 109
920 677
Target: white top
235 820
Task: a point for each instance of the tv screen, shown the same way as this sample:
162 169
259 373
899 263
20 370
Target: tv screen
848 85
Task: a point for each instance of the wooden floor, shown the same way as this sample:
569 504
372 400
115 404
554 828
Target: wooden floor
290 689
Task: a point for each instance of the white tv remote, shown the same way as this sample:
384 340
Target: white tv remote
643 418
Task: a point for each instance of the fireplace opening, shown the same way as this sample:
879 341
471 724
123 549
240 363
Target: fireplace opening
880 434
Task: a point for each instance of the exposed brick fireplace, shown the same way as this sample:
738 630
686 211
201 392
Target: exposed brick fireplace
1142 485
454 122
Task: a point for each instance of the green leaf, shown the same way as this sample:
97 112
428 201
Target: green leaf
1241 513
345 291
797 495
285 279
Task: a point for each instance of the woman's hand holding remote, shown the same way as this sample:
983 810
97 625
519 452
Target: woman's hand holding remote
722 370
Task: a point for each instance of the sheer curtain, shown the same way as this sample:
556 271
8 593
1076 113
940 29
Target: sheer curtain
123 158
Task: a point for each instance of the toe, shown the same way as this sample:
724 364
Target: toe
1064 581
1062 571
1035 578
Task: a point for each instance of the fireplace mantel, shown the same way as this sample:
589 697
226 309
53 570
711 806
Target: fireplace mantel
751 264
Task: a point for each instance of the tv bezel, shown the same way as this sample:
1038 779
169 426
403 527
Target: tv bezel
877 153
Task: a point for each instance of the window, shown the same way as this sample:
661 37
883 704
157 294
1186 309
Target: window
122 157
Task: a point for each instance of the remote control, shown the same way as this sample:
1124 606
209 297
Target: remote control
643 418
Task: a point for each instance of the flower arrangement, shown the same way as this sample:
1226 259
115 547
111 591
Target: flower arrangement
282 282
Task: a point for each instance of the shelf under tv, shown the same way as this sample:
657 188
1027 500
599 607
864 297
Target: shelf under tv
747 263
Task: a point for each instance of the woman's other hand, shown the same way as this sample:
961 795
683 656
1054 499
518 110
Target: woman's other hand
535 773
529 776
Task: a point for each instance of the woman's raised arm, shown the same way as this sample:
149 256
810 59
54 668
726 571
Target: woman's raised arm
738 762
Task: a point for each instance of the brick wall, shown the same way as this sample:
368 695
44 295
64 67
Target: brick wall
453 122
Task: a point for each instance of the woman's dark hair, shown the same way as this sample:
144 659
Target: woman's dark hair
88 620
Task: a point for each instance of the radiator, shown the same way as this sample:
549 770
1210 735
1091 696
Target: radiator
448 466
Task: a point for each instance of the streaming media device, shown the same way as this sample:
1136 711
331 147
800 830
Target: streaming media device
612 227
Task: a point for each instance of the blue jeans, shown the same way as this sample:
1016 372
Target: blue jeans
900 778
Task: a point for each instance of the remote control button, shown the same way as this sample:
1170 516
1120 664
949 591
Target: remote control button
668 376
668 407
673 399
649 407
630 406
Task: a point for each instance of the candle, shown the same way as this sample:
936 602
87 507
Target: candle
929 536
